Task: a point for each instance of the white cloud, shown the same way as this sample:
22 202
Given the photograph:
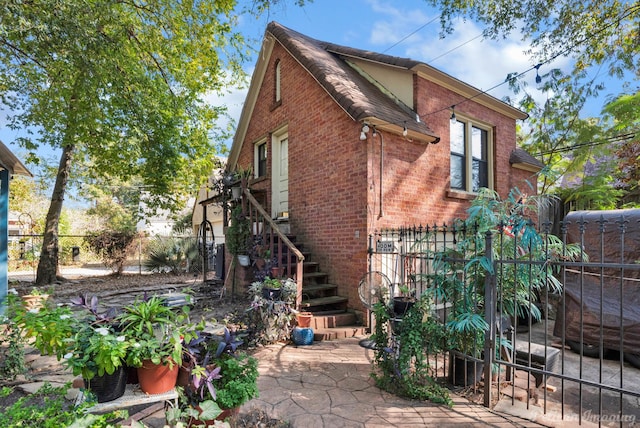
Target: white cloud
464 54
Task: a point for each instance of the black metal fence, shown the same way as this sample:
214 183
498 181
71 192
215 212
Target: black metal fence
181 253
564 310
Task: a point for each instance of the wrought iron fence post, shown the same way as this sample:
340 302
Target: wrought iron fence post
489 316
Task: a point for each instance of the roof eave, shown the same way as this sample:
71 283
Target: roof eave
412 136
11 163
468 91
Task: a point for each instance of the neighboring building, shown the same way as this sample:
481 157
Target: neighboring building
345 142
9 165
213 210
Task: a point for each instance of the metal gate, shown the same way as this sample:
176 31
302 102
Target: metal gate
565 339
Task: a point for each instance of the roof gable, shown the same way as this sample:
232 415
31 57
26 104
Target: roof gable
347 75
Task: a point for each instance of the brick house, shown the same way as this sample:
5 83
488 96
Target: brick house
361 141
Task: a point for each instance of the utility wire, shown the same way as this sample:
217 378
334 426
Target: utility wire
409 35
608 140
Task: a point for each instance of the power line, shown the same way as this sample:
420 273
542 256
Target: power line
536 67
608 140
409 35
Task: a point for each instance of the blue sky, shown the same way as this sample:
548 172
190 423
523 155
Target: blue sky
407 28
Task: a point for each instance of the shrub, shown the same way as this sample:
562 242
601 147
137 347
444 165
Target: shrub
174 254
112 247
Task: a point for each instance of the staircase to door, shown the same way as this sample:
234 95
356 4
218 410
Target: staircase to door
332 319
319 294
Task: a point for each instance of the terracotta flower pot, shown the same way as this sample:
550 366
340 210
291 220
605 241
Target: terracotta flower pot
157 378
34 301
304 319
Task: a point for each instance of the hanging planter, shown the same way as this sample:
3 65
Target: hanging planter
244 260
236 192
401 305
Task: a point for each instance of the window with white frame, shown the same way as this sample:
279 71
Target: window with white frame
260 155
471 156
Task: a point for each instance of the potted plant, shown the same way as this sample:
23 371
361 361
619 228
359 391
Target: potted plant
89 341
271 288
99 355
405 300
222 379
238 236
156 333
35 299
272 320
404 350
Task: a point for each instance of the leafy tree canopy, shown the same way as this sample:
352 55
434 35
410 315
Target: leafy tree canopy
591 31
122 82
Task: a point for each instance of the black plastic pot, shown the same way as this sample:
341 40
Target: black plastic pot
271 293
401 305
108 387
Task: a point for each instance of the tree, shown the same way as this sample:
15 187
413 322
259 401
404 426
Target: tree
118 87
592 32
625 114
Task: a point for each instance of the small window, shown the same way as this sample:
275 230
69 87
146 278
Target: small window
277 82
261 159
470 157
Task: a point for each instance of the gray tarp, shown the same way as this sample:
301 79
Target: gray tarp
595 292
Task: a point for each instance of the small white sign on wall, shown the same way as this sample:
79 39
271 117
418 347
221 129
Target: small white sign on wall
384 246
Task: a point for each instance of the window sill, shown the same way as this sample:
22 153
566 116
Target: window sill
461 194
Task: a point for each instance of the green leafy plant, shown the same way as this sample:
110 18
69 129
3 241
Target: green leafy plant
86 338
156 332
96 351
238 235
173 254
459 271
12 361
221 377
48 408
50 327
403 349
238 380
272 321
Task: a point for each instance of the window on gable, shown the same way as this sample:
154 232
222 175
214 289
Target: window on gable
470 156
261 159
277 82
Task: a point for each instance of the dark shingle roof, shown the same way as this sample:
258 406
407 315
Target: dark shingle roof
519 155
359 97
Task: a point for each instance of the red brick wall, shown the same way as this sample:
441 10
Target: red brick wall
327 171
334 177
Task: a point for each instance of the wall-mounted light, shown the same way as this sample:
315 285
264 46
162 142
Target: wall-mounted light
404 130
363 133
453 119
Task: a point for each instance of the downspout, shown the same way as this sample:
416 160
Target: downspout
375 132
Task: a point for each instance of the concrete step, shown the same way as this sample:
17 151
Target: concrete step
339 333
319 322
